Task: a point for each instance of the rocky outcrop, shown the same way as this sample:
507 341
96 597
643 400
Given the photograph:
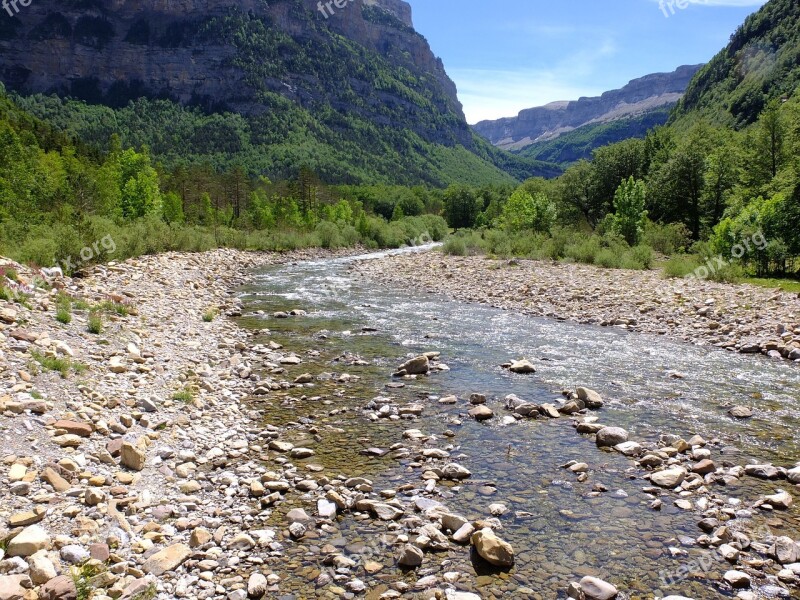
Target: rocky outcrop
236 55
548 122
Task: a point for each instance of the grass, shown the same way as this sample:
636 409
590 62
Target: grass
82 578
786 285
63 366
111 307
95 323
185 395
210 314
64 309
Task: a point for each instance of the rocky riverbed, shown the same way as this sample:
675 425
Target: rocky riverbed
742 318
217 441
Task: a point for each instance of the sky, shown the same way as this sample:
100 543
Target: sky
508 55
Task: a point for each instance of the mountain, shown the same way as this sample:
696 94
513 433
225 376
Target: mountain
761 63
353 92
579 143
638 98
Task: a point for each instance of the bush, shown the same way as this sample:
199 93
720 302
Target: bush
583 251
680 266
667 239
455 246
608 258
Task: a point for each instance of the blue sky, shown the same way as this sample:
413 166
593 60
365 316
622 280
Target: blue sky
506 55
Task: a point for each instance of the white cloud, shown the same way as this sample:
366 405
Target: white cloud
492 94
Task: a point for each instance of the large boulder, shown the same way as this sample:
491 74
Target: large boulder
522 367
60 588
28 542
410 556
11 587
597 589
418 365
492 549
669 478
609 437
168 559
590 398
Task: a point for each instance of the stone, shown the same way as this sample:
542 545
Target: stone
763 471
781 501
257 586
456 472
463 534
410 556
75 427
794 475
30 517
704 467
590 398
42 569
387 512
669 478
737 580
741 412
304 378
133 456
17 472
481 413
11 587
492 549
60 588
629 448
74 554
522 367
200 537
597 589
785 551
168 559
419 365
28 542
301 453
611 436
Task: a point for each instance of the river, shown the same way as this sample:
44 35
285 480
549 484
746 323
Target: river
560 529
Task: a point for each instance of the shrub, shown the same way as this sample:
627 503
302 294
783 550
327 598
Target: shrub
607 258
680 266
95 323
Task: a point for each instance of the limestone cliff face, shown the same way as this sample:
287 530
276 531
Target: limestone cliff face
238 55
548 122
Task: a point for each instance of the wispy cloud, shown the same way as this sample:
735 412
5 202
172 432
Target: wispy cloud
493 93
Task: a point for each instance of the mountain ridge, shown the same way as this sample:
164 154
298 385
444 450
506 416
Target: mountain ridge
548 122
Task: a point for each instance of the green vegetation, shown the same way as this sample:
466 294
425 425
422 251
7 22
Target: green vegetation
186 395
210 314
94 324
761 64
580 143
64 309
64 366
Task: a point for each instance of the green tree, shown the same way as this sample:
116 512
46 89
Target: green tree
461 206
172 208
524 212
630 215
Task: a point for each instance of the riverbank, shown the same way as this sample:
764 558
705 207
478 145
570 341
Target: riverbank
741 318
173 439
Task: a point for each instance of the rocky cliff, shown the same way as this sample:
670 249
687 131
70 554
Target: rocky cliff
548 122
363 59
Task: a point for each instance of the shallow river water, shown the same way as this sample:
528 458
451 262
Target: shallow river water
559 531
